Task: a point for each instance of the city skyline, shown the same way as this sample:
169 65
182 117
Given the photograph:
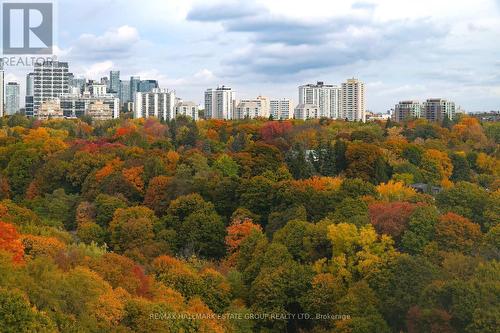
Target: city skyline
401 51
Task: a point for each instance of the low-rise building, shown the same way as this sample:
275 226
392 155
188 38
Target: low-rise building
253 108
307 111
407 110
50 109
188 109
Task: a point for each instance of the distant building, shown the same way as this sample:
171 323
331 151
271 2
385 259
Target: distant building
326 97
220 103
189 109
148 85
50 109
437 109
159 103
77 105
114 83
125 92
99 110
406 110
98 89
370 116
353 100
134 87
307 111
12 96
253 108
50 81
281 109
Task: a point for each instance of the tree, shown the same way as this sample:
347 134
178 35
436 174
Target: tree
454 232
420 231
157 195
21 169
391 218
467 200
400 285
237 232
132 228
10 242
200 230
362 160
105 206
226 165
18 315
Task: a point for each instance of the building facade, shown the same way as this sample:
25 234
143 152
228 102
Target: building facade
188 109
159 103
353 100
12 96
220 103
50 109
125 92
253 108
326 97
437 109
50 81
307 111
148 85
79 105
281 109
134 87
114 83
407 110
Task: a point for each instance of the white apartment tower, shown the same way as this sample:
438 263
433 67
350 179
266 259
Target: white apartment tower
353 100
220 103
326 97
159 103
253 108
281 109
51 80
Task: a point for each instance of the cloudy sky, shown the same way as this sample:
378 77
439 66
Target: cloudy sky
402 49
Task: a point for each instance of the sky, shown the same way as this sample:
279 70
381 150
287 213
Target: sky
401 49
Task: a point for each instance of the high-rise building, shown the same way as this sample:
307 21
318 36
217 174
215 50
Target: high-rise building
189 109
134 87
353 100
437 109
125 92
50 81
30 91
406 110
281 109
2 76
159 103
307 111
148 85
253 108
76 105
326 97
12 95
30 84
114 82
220 103
78 83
